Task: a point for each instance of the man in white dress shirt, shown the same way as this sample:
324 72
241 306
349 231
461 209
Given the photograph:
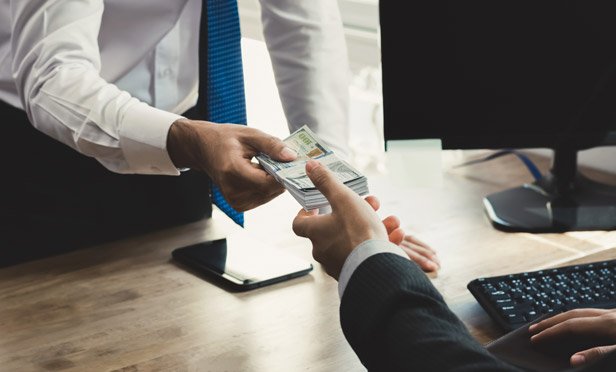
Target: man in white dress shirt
98 106
95 94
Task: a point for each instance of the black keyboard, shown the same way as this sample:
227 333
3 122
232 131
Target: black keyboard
516 299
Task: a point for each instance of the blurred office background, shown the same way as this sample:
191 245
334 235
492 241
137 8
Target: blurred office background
361 24
360 18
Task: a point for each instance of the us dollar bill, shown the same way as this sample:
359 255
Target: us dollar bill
342 170
293 174
305 143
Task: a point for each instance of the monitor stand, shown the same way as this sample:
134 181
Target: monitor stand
564 200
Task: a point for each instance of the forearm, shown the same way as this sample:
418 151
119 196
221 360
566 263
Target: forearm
56 64
308 51
393 318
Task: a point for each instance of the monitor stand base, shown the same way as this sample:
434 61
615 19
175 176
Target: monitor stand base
537 207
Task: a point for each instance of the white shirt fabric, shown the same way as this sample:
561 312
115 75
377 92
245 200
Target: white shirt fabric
360 254
109 77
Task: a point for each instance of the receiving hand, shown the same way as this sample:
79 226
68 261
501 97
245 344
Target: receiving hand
392 223
351 222
590 332
419 252
224 152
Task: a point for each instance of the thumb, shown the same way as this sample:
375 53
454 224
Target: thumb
327 183
591 355
272 146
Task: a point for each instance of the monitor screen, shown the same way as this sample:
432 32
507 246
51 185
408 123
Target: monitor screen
482 74
494 74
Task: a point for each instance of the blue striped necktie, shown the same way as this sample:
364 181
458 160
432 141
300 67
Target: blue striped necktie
221 77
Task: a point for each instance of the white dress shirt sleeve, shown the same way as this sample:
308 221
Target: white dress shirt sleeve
56 67
305 39
364 251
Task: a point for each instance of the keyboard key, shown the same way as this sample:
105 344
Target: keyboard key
515 299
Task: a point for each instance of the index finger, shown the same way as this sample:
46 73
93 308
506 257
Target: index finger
559 318
373 201
257 177
302 222
272 146
576 328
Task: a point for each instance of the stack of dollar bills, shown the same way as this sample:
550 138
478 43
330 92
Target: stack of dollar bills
293 176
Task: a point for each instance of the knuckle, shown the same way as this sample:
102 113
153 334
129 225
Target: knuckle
226 170
611 320
253 131
276 192
595 353
295 227
236 200
573 312
265 187
611 316
319 177
272 142
317 255
578 312
570 326
600 351
265 194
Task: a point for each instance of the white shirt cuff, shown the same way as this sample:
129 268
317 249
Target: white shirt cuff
143 138
362 252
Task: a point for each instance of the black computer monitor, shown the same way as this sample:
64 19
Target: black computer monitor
509 74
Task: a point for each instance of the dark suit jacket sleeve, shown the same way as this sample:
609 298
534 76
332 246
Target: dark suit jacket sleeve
396 320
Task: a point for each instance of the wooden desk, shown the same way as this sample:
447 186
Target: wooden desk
125 306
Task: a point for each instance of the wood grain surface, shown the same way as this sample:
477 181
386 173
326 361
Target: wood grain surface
125 306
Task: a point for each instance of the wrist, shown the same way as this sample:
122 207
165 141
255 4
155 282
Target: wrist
182 143
362 252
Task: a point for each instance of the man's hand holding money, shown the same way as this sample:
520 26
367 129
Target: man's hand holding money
224 152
